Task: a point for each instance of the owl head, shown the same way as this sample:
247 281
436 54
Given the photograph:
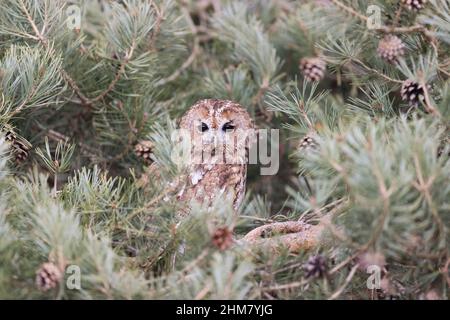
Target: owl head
220 128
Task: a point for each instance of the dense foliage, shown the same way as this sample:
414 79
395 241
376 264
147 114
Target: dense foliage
76 100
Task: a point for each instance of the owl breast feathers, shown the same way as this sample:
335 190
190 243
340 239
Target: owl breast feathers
220 133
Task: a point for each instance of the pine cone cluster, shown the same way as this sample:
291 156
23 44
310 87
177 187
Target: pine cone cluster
48 276
316 267
413 92
222 238
307 143
313 69
20 148
414 5
143 149
391 48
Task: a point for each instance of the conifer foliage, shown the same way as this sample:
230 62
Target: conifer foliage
90 94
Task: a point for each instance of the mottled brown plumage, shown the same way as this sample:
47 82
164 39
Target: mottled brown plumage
218 168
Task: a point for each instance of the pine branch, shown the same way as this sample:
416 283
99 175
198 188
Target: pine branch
157 28
350 10
349 278
429 106
192 56
378 73
117 77
385 29
44 41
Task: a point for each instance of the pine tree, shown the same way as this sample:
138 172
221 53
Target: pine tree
86 173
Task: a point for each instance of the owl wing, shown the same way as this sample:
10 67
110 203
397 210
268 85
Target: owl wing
206 183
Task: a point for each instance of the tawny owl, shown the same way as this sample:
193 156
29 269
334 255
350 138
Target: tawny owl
220 133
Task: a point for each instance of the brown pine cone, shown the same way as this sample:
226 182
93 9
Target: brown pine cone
307 143
20 148
391 48
48 276
143 150
316 267
413 92
222 238
414 5
313 69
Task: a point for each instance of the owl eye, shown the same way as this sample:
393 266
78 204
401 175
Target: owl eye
228 127
203 127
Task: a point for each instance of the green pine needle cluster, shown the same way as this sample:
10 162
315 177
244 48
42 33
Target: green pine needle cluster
75 102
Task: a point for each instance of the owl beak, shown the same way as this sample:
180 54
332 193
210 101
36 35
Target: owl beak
210 145
210 141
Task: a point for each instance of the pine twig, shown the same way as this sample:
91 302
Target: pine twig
382 75
428 105
349 278
287 286
155 200
384 29
192 56
57 136
159 19
24 102
118 75
350 10
44 41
